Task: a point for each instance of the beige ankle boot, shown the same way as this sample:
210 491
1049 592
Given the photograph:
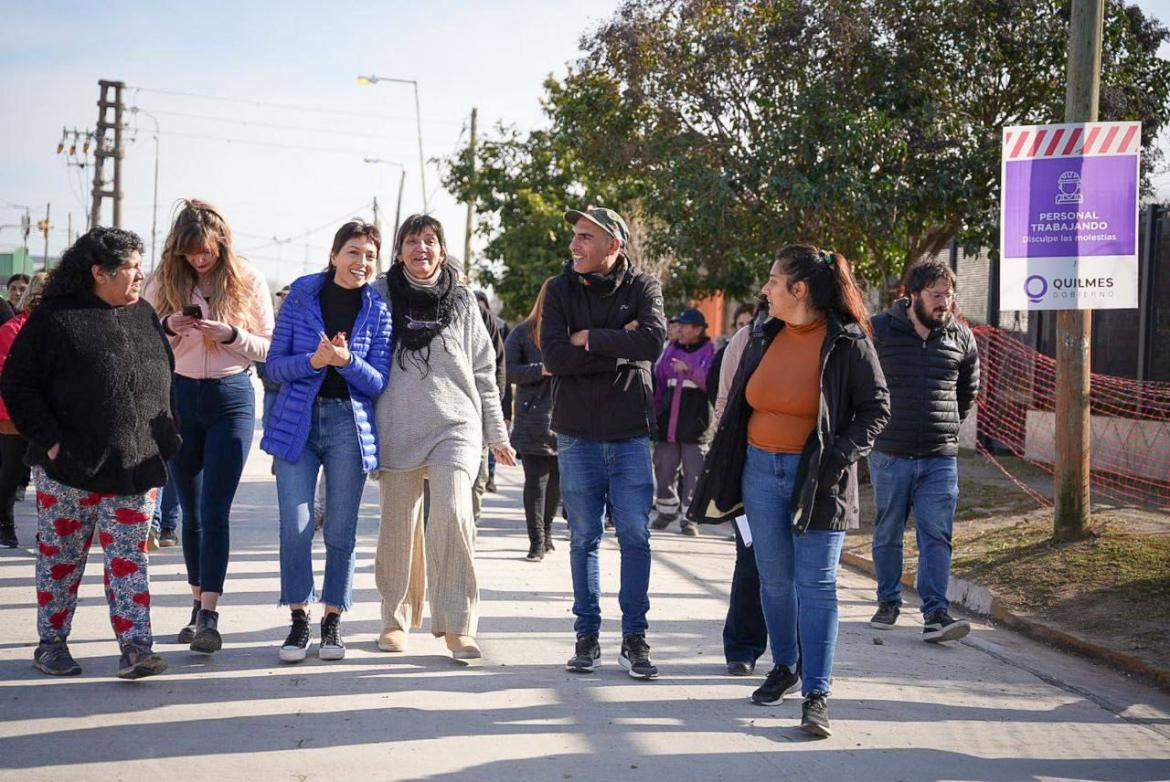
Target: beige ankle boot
463 647
392 640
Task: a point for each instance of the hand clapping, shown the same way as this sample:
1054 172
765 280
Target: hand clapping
331 352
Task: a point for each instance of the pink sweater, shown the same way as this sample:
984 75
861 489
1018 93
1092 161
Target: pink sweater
195 360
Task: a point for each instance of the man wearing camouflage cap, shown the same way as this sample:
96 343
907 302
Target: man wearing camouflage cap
601 330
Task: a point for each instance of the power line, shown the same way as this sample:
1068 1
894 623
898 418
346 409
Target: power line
274 144
73 186
349 213
272 125
283 106
280 261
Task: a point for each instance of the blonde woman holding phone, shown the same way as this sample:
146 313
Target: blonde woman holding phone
216 310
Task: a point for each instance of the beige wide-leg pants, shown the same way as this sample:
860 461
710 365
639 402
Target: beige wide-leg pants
442 555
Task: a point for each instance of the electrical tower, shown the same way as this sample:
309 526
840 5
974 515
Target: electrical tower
108 146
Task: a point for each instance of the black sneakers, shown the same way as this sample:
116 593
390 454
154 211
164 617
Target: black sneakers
939 627
741 668
206 640
535 552
886 616
168 538
8 533
187 634
586 655
53 658
663 520
814 715
139 661
296 646
778 683
635 657
332 647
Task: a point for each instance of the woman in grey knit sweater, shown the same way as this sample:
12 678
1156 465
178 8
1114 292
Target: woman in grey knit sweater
440 406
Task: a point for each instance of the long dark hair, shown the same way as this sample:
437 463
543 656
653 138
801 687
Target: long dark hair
831 285
104 247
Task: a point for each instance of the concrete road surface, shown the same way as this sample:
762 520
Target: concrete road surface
994 707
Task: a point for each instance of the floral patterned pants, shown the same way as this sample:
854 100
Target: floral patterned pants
66 520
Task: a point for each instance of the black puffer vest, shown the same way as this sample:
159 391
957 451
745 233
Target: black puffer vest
932 381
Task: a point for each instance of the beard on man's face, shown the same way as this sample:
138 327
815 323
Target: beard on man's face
932 319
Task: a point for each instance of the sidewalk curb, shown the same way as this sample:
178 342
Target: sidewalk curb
980 600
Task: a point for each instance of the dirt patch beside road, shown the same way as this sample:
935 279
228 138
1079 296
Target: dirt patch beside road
1111 588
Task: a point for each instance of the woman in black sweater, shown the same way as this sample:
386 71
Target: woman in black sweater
88 384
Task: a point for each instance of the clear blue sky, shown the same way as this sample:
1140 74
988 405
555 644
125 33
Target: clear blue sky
491 55
308 173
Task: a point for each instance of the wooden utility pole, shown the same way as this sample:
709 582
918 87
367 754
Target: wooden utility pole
1074 328
378 225
106 148
398 211
470 206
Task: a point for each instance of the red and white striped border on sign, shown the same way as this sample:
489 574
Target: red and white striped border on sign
1093 139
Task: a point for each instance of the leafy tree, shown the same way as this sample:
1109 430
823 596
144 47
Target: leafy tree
730 127
521 185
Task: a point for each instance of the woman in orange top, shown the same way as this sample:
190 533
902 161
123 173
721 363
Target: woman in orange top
808 400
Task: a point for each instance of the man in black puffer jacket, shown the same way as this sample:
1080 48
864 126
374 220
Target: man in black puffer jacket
932 367
600 332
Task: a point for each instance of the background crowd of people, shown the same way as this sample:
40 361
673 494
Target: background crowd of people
132 400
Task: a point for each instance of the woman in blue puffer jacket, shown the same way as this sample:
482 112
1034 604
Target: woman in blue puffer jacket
331 353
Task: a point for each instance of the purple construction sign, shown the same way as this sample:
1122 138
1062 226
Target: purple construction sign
1068 222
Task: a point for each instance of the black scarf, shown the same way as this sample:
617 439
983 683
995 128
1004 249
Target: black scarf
419 314
602 284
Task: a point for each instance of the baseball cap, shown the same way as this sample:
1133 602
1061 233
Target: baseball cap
606 219
691 317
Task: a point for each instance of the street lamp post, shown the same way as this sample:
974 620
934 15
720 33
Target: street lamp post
422 170
154 211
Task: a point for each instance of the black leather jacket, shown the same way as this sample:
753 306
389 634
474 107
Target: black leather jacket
854 407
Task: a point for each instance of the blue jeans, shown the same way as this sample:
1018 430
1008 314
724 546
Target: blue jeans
798 573
931 487
270 396
166 510
332 444
592 473
216 420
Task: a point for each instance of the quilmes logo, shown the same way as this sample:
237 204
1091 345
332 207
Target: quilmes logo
1035 287
1068 188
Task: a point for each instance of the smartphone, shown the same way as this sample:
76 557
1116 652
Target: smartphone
192 311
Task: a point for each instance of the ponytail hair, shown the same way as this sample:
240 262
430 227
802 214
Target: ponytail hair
831 285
